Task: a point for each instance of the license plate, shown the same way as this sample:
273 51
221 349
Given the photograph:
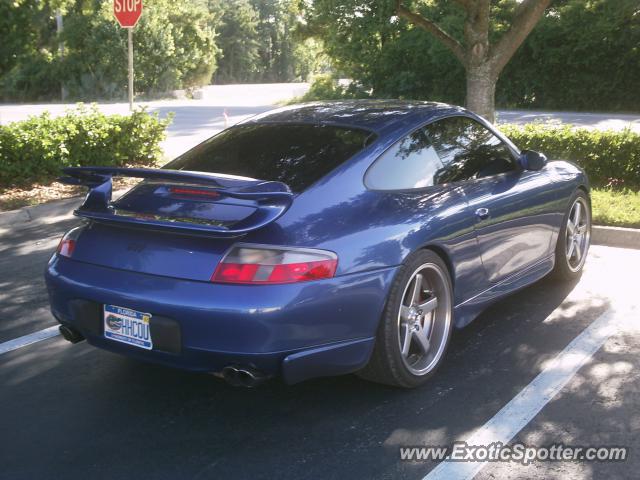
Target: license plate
127 326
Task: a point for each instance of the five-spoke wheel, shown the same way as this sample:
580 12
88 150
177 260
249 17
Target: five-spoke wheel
577 234
424 318
574 238
416 325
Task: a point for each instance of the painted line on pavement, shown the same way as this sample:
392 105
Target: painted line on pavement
25 340
516 414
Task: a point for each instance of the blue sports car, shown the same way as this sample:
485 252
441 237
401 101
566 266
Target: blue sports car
317 240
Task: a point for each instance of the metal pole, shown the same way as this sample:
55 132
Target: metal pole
130 37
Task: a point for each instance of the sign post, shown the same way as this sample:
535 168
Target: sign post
128 12
130 89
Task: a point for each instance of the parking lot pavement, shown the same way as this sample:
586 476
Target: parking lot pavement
600 406
73 411
24 251
599 121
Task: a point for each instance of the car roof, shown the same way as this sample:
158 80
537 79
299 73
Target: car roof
375 115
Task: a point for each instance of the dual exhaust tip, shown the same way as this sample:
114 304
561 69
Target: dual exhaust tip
70 334
233 375
243 376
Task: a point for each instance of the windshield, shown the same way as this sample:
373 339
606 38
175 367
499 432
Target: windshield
297 155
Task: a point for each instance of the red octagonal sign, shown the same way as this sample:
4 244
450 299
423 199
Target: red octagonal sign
127 12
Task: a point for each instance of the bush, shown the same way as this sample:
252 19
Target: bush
36 149
610 158
324 87
327 87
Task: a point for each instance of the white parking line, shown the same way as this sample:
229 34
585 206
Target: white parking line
29 339
516 414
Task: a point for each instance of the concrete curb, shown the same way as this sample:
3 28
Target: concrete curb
45 211
616 236
36 213
610 236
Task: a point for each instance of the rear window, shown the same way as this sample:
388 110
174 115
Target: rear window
297 155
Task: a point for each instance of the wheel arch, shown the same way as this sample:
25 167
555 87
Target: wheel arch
444 256
586 190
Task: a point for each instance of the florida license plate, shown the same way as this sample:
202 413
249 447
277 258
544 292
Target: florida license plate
127 326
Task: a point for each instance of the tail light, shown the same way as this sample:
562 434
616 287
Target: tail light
260 264
68 242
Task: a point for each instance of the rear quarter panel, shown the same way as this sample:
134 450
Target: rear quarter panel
568 177
372 230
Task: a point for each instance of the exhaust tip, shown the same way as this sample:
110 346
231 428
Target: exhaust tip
70 334
243 376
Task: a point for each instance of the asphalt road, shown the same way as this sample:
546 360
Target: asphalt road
72 411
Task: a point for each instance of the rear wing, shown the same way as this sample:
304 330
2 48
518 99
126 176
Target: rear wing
269 198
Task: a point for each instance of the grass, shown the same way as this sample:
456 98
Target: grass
619 208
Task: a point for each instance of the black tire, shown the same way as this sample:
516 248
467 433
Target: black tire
567 268
387 364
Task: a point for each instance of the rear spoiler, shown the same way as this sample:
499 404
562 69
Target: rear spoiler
271 199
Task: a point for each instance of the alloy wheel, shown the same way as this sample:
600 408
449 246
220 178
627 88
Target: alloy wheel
424 319
578 235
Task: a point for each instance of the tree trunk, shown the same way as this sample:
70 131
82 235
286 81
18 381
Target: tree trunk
481 82
482 61
481 91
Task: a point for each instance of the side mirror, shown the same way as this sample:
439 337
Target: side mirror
531 160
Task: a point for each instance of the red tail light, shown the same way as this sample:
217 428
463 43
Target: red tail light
66 247
258 264
68 242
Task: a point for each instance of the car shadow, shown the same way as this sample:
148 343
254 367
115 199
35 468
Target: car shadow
87 400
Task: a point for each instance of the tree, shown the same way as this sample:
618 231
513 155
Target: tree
277 48
26 28
566 63
483 61
174 48
479 37
238 41
258 45
562 64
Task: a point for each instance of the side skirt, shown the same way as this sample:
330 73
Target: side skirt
468 310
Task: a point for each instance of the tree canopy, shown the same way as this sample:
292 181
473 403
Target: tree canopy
258 42
576 43
583 54
176 44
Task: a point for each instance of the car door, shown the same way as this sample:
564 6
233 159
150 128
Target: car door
514 208
431 214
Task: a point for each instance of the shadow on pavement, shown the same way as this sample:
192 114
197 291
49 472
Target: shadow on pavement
94 413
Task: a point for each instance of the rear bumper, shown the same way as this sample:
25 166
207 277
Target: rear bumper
298 331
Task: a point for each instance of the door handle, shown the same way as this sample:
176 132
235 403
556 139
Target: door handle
483 213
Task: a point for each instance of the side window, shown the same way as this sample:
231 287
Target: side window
468 150
410 163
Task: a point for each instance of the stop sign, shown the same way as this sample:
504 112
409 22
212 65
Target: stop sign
127 12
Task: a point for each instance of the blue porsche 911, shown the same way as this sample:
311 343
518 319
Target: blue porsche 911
317 240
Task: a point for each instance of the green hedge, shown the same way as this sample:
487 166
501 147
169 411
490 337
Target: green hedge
36 149
610 158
